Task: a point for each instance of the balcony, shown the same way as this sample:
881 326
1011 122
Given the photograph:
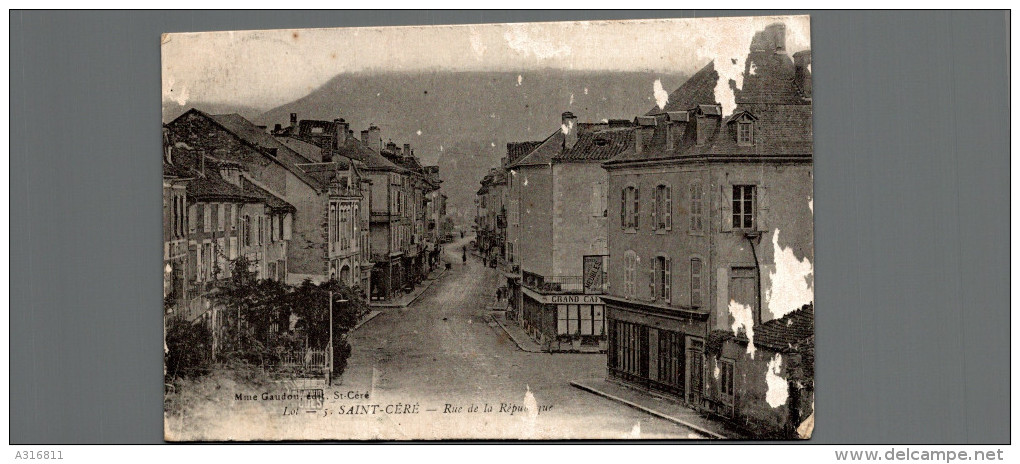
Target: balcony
553 283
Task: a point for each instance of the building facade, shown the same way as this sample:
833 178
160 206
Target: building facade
710 232
556 245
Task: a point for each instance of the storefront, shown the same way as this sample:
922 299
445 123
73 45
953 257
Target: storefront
657 348
564 322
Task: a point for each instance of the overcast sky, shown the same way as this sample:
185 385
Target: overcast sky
264 69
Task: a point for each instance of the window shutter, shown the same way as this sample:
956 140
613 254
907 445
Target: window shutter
651 278
668 208
726 207
667 285
623 208
762 215
655 207
192 218
199 268
637 206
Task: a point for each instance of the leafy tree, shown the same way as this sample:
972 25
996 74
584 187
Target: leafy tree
311 304
188 348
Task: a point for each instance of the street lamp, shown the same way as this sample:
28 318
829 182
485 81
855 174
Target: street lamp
329 348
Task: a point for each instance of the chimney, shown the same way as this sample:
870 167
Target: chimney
407 150
802 73
278 127
375 137
569 129
293 123
340 131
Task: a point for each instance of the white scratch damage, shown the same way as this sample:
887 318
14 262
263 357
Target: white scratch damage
779 390
743 318
520 79
792 282
566 128
661 95
543 48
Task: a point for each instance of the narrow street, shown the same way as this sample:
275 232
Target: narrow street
443 349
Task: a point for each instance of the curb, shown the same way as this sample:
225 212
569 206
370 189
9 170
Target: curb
653 412
371 315
409 303
508 334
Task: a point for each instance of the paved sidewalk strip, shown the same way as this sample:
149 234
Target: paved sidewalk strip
408 298
517 334
368 317
659 407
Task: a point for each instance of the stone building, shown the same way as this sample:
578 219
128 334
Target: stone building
710 232
175 231
557 234
271 166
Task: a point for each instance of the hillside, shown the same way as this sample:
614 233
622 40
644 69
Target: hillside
465 119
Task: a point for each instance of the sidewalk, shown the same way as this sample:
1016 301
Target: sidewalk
368 317
668 409
516 333
405 299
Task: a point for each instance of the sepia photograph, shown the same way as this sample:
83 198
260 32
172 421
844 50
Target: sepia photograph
523 231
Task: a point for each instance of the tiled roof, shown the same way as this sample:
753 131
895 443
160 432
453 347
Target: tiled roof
213 187
788 333
543 153
516 150
598 143
170 170
258 138
782 116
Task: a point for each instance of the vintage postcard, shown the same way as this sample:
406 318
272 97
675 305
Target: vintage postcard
573 230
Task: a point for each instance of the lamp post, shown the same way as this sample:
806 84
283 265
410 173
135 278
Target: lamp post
329 348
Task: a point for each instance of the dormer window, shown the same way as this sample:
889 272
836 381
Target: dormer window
745 133
745 127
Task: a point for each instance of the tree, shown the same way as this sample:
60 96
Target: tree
188 348
311 304
252 307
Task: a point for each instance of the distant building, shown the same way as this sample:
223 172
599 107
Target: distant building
556 239
709 214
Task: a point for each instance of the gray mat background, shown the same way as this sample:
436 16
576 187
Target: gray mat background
912 218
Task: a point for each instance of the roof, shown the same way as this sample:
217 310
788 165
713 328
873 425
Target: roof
699 88
770 97
373 160
269 198
257 138
543 153
792 333
171 170
307 150
516 150
597 144
213 187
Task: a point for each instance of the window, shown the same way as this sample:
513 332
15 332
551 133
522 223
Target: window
233 217
696 282
662 208
697 208
332 226
629 207
260 231
192 218
220 216
745 133
661 278
743 206
246 230
726 380
206 218
630 260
